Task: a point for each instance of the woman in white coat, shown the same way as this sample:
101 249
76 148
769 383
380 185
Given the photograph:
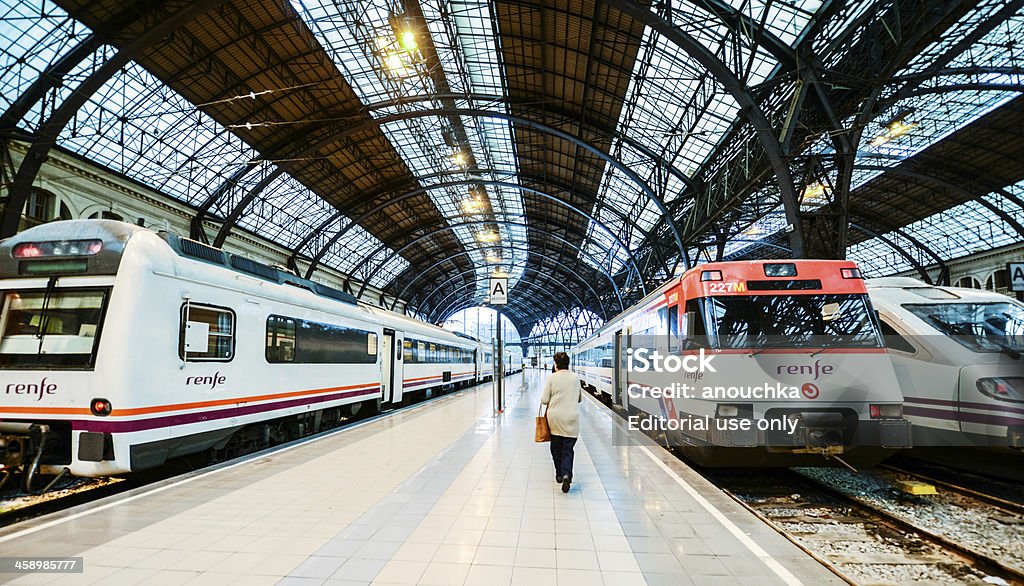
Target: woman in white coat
562 395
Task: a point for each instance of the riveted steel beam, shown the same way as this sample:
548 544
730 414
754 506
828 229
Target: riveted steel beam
48 132
432 233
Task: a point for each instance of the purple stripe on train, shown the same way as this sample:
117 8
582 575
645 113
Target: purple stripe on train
112 426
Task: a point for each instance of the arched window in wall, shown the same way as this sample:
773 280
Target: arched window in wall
998 281
39 208
968 282
106 215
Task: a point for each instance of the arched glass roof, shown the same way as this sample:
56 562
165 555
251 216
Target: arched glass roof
581 148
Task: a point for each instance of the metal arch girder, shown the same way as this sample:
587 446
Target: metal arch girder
443 304
1009 8
600 302
469 96
550 197
913 240
50 78
196 223
49 131
434 266
572 293
450 227
899 250
459 304
950 186
473 270
239 208
384 205
988 87
622 216
479 113
949 71
748 107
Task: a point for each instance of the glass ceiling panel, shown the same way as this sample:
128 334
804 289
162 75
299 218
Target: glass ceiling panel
913 124
959 231
32 34
672 108
137 126
381 64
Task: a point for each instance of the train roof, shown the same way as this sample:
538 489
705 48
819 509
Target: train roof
115 234
910 290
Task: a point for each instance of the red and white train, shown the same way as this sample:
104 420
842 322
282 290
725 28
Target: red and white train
800 369
121 347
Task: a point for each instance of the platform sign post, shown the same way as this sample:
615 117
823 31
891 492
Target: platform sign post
499 369
497 294
1015 275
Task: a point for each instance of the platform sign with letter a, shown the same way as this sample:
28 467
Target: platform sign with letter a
1015 271
498 291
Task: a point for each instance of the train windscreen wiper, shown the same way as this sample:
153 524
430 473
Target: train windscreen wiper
44 317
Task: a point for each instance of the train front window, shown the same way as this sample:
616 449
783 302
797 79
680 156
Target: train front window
981 327
791 321
56 329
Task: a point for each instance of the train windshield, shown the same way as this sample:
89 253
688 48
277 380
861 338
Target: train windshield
50 329
981 327
791 321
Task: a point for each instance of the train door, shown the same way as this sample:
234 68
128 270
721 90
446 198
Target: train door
617 369
398 367
387 367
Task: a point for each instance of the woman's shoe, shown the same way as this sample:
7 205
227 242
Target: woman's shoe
558 478
566 480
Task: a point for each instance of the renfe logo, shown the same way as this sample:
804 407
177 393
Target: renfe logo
38 389
213 380
817 370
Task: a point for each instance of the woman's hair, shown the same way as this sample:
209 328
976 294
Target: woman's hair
561 361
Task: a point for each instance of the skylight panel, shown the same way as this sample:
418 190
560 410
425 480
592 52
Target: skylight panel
33 33
962 230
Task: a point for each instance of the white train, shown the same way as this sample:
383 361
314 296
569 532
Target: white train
121 347
957 355
801 376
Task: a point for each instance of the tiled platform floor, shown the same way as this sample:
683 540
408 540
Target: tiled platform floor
442 494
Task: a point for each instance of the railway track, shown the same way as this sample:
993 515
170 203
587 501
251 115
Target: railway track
859 540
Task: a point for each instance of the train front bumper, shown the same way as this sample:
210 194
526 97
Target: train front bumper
815 432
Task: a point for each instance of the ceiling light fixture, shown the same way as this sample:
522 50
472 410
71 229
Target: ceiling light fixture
896 127
488 236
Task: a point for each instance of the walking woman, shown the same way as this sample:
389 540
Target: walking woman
562 395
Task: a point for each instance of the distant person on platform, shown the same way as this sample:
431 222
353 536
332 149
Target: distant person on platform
562 395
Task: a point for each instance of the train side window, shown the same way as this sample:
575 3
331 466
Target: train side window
408 352
673 328
894 340
280 339
693 311
421 352
218 325
433 353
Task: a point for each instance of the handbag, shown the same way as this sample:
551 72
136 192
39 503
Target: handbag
543 432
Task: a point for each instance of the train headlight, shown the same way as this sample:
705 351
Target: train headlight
784 269
100 407
851 273
1004 388
57 248
886 411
